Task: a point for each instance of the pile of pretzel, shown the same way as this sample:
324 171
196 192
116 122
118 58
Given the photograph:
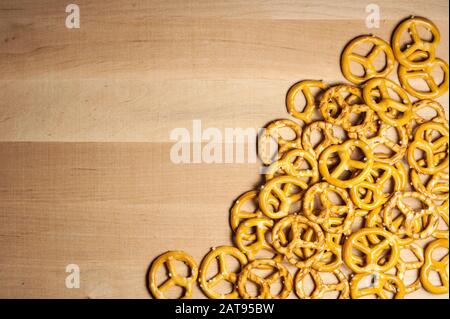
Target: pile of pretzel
350 203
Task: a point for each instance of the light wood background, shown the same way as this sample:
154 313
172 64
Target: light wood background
85 117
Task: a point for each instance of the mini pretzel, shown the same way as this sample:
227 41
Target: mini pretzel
377 96
304 235
405 55
443 214
344 151
436 89
225 274
380 284
272 131
238 214
374 194
168 259
436 152
417 119
403 266
293 164
435 187
321 288
280 188
439 266
251 248
336 102
308 110
329 137
329 211
364 121
264 284
427 216
366 61
373 254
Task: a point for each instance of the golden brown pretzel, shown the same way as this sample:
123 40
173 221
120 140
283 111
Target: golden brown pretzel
439 266
380 284
280 274
320 287
366 61
308 110
336 102
430 107
328 133
238 214
168 260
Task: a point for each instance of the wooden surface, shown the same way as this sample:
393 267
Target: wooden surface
85 117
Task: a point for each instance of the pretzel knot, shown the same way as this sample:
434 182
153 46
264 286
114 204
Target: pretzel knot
406 54
392 111
359 168
168 260
304 87
379 46
438 266
362 255
335 216
305 243
280 273
426 216
435 89
435 148
379 285
220 255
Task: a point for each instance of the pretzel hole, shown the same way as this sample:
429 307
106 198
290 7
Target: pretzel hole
308 284
250 205
424 33
434 278
175 292
252 288
419 84
413 203
277 287
393 95
438 73
363 48
182 269
357 69
410 276
405 40
439 253
286 133
408 256
358 223
426 113
380 62
335 198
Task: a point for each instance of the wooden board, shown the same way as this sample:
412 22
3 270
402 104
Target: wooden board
86 114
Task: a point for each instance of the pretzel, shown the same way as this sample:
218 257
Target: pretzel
329 137
403 266
168 259
369 194
264 284
435 187
225 274
344 151
436 152
426 74
308 110
304 235
293 164
281 188
343 213
404 54
439 266
427 216
336 102
379 46
321 288
372 253
377 96
251 248
238 214
364 124
443 214
272 131
417 119
380 285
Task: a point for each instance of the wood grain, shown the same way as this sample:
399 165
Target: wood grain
85 118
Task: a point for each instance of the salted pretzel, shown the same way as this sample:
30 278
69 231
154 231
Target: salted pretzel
259 227
305 235
377 96
320 287
370 193
427 215
379 285
298 163
219 255
359 118
341 212
435 89
336 102
168 260
405 54
438 266
344 151
371 256
304 87
379 46
238 213
280 273
430 107
281 188
436 151
435 186
404 265
328 134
